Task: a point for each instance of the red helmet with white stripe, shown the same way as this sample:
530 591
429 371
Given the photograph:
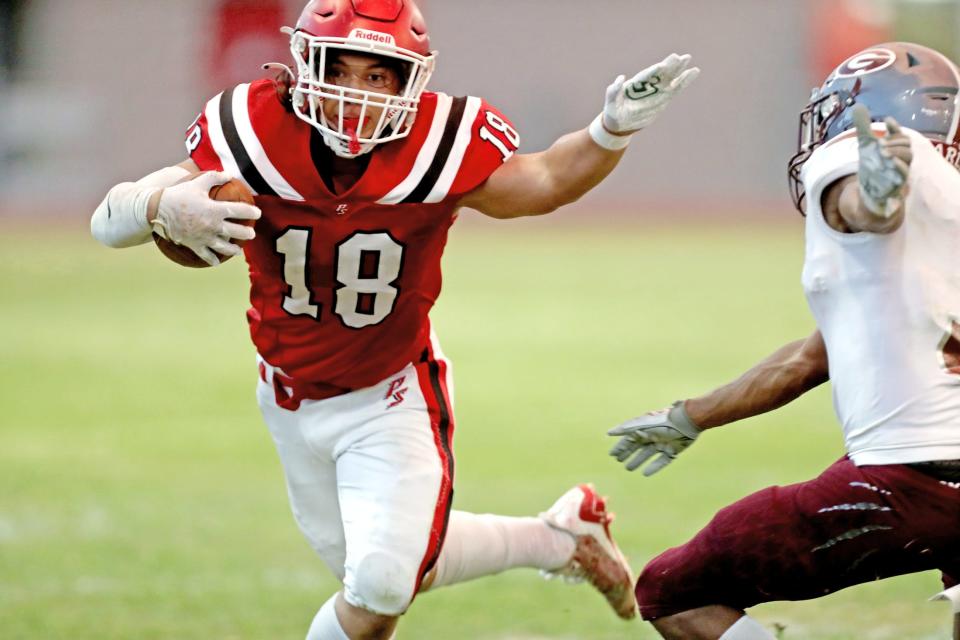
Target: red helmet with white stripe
391 29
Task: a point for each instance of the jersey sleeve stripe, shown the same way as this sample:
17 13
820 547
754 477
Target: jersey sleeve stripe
443 152
427 152
250 174
218 141
460 144
257 155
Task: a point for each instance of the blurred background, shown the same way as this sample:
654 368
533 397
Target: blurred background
140 495
95 91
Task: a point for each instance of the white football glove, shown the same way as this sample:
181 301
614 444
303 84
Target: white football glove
187 215
666 432
884 164
635 104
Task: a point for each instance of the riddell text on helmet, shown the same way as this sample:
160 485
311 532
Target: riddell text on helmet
372 36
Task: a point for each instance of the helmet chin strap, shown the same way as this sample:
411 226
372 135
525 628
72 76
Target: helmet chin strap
279 65
352 130
351 148
342 148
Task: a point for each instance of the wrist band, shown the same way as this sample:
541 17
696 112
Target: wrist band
121 219
606 139
678 414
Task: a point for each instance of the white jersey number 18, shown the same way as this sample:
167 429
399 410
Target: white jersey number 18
367 268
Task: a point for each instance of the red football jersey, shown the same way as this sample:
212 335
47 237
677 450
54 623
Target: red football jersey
341 285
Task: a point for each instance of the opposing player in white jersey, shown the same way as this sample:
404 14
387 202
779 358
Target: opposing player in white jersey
882 278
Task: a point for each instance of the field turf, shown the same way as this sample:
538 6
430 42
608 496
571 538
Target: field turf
141 496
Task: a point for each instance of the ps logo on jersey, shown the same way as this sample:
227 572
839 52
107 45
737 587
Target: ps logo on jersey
395 392
867 61
342 209
643 89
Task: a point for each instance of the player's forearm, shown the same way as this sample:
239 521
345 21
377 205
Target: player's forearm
539 183
575 164
124 217
855 213
121 219
570 168
779 379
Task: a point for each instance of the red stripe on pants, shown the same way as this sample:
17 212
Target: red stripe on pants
431 374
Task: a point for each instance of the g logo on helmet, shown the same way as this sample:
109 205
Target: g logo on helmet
868 61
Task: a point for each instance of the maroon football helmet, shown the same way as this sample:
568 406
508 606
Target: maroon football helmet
915 85
391 29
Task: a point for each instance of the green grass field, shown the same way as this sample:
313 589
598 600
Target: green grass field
141 496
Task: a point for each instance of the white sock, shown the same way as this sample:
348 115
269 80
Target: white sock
746 628
485 544
326 625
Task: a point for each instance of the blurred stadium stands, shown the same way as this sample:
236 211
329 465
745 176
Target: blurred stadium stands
96 91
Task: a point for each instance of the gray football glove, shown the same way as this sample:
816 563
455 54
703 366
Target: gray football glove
884 164
666 432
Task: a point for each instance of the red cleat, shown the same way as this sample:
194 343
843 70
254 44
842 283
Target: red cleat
596 558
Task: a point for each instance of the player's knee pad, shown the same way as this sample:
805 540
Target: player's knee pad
381 583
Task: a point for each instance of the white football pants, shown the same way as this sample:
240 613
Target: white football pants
370 478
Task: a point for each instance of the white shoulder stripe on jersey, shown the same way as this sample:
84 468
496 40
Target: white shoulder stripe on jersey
460 144
426 155
241 118
219 142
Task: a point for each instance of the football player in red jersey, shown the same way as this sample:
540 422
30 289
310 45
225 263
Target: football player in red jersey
358 175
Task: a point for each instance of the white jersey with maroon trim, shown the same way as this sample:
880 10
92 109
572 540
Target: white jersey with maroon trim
888 306
341 284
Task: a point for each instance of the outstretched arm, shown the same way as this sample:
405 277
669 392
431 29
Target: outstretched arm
538 183
779 379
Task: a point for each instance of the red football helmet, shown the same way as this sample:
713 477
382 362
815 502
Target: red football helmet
392 29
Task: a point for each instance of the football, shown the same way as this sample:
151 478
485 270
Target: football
232 191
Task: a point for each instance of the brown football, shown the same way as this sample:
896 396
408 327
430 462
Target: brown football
232 191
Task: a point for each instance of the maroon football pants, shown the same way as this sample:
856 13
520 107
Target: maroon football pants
850 525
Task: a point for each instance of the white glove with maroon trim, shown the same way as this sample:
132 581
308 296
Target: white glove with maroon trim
667 432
